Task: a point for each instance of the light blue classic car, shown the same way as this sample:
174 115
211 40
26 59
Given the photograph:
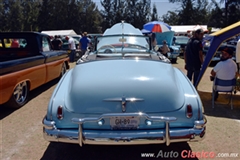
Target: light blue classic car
124 93
168 37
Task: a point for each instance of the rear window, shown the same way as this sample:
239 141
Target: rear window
13 43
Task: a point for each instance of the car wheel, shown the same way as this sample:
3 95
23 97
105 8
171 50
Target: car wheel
19 96
174 60
63 69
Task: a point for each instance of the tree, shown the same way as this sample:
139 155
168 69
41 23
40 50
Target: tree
61 15
30 14
154 14
229 14
2 15
201 9
130 11
170 18
143 13
72 16
192 12
136 12
214 19
107 13
15 16
186 14
90 17
45 18
232 9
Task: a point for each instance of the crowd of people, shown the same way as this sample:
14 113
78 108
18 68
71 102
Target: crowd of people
84 43
226 69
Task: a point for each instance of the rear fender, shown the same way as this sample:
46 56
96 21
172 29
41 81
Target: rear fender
59 92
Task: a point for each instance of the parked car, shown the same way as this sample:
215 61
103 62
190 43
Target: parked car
93 37
233 41
27 65
123 93
77 37
168 37
218 54
181 43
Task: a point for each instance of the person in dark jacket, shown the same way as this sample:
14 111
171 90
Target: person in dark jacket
56 43
194 56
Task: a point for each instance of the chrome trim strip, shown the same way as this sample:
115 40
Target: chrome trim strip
132 99
120 137
109 115
123 138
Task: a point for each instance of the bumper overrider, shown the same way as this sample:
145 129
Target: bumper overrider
123 137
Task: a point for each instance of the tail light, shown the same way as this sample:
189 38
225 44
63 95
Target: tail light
189 112
60 112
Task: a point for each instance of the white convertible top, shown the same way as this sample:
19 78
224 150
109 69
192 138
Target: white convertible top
122 29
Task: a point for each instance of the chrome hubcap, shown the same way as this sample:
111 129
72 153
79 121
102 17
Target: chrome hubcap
20 92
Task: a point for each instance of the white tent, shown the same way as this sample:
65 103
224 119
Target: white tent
183 29
60 32
215 29
204 28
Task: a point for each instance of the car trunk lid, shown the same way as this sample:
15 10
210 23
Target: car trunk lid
114 86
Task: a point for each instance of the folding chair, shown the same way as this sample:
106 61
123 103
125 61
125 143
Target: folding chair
223 83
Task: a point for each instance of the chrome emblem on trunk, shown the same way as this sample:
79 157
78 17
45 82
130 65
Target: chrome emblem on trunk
124 101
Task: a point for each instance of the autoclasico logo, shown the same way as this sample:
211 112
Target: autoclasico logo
188 154
191 154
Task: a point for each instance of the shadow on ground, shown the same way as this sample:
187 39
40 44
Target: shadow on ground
221 108
74 151
6 110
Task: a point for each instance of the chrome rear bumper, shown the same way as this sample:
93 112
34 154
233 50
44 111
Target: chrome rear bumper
123 137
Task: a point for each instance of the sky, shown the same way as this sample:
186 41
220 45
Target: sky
163 6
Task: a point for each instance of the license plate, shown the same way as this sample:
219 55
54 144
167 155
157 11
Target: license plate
124 122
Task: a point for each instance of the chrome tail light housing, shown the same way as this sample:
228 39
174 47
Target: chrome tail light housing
60 112
189 111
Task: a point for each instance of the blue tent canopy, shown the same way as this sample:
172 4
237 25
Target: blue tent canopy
216 39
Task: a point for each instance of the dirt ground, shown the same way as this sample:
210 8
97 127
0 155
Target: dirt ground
21 132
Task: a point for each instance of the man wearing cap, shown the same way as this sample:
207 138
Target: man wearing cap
226 69
193 55
72 47
84 42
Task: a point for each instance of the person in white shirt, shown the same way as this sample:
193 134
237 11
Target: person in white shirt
72 47
238 55
226 69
